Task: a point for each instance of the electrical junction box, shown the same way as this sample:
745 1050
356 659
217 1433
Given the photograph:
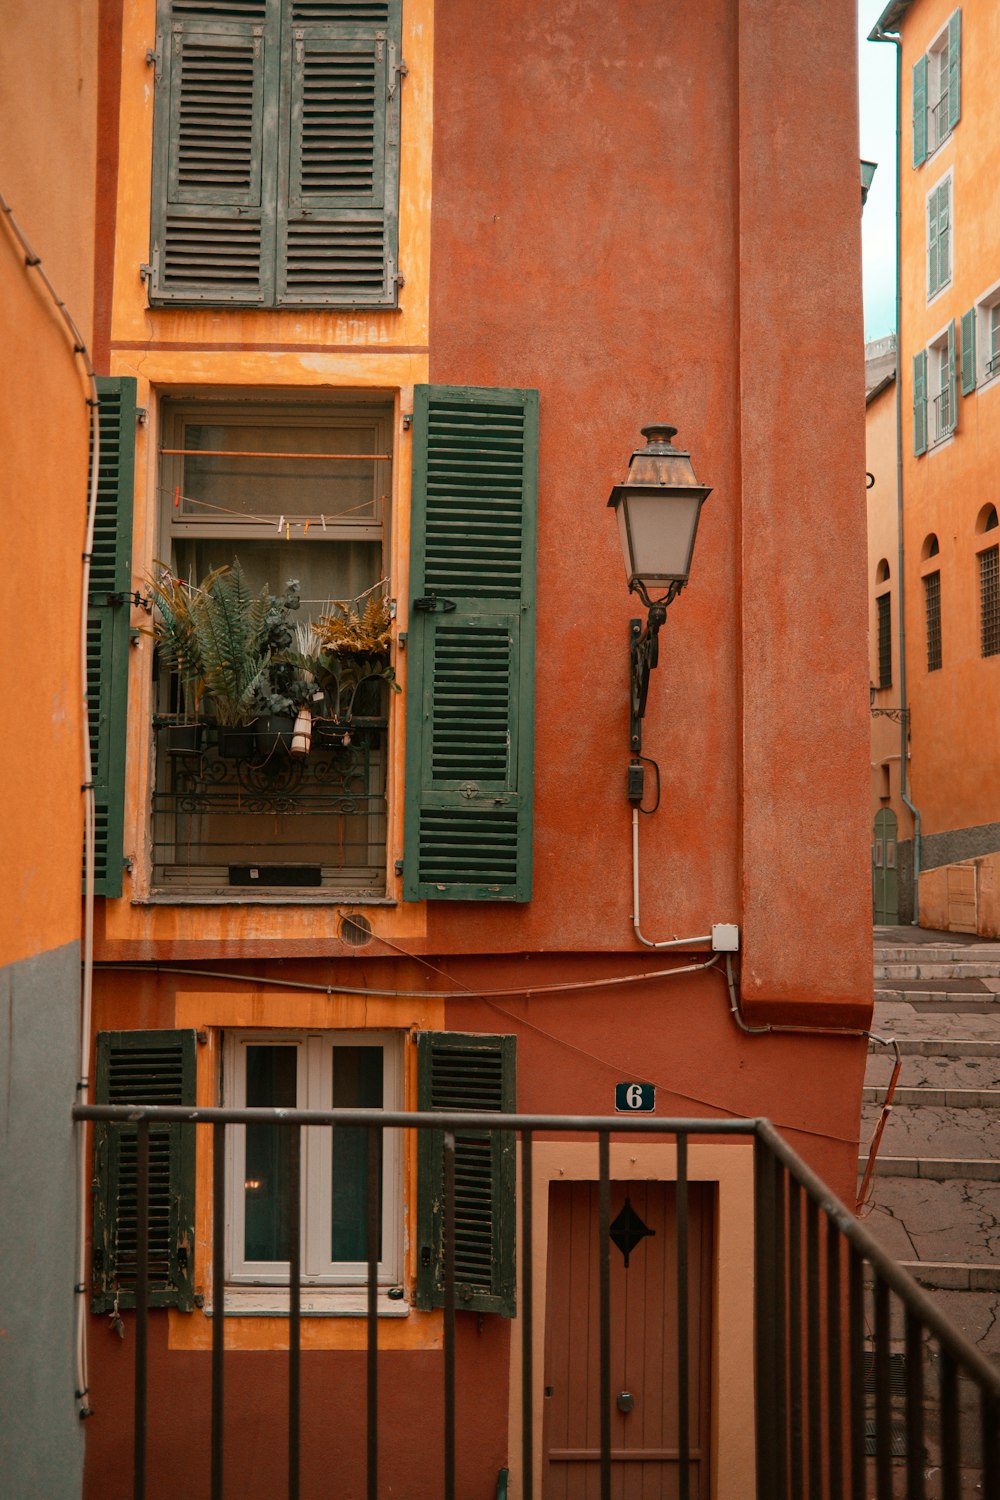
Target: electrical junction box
725 937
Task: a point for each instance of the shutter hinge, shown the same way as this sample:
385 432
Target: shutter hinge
154 57
397 70
141 415
379 45
407 420
428 603
399 867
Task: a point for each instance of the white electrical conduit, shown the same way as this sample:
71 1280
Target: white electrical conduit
667 942
33 262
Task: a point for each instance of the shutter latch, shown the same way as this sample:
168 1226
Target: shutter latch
154 57
397 70
430 602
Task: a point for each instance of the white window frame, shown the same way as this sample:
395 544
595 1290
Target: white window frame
938 389
944 182
937 91
314 1072
987 309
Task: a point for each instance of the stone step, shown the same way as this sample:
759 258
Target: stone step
931 1219
895 1018
938 970
964 1002
947 953
936 1047
929 1096
933 1168
918 1072
953 1276
936 1130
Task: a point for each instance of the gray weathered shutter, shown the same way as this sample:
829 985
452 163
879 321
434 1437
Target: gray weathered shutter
338 175
919 111
954 68
215 118
952 380
462 1072
144 1067
969 351
470 700
933 270
108 626
920 402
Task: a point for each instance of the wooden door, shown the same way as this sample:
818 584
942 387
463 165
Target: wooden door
644 1438
885 881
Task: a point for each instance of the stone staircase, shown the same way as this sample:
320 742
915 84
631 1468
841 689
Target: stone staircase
935 1200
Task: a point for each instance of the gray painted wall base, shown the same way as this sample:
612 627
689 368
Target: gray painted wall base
41 1436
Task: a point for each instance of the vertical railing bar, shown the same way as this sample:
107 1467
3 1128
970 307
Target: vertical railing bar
371 1414
834 1362
856 1360
141 1308
449 1315
914 1346
781 1181
683 1372
527 1316
218 1303
294 1305
950 1442
795 1336
989 1433
604 1193
883 1394
764 1316
814 1385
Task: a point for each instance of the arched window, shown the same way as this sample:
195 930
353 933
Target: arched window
930 547
987 519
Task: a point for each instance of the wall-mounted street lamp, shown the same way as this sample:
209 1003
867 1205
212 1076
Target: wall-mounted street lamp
658 508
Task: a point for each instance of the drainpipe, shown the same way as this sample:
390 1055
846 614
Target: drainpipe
878 35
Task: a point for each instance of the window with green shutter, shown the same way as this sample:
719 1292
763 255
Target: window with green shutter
467 1072
144 1067
920 402
919 111
276 153
108 625
937 85
939 237
470 700
968 352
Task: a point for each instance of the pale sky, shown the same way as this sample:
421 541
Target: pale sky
877 91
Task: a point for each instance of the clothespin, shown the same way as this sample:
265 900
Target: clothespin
177 497
288 531
305 530
323 519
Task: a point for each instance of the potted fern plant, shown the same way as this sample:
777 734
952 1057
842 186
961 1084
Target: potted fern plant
342 666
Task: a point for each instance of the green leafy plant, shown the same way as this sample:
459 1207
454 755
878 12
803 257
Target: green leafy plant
347 630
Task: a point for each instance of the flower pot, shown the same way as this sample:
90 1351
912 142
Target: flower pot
274 735
302 732
237 741
184 739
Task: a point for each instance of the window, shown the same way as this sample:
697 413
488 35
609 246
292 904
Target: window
937 78
276 153
981 341
939 237
282 493
989 601
883 605
932 617
935 377
344 1070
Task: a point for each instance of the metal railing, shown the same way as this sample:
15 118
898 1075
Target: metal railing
862 1384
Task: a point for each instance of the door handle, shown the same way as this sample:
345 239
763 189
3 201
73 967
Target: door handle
625 1401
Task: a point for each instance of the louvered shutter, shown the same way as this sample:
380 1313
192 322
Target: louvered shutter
144 1067
108 626
933 268
920 402
470 704
213 175
456 1071
919 111
954 69
944 233
952 380
969 351
339 163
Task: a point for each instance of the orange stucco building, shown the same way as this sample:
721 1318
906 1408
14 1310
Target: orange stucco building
409 366
949 355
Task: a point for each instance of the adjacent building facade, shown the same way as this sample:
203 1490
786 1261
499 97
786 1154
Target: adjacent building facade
381 306
949 357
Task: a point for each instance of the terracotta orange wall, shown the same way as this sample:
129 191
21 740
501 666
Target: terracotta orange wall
883 545
47 159
955 711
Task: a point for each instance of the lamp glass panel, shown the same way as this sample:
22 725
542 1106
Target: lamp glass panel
661 530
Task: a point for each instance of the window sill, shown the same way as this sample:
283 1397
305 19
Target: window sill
325 1302
257 898
941 442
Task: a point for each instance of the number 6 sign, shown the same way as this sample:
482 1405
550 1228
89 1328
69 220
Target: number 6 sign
634 1098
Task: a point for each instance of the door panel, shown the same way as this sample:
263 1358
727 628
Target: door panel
643 1344
885 881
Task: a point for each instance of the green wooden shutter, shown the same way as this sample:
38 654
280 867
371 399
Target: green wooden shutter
969 351
944 233
933 271
108 626
470 705
952 380
213 172
919 111
144 1067
920 402
338 176
954 69
456 1071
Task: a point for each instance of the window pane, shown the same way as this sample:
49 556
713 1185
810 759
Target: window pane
357 1084
222 487
270 1083
325 570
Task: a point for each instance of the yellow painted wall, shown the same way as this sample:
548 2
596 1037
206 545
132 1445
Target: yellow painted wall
47 167
955 711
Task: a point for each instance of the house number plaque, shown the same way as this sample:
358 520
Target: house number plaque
635 1098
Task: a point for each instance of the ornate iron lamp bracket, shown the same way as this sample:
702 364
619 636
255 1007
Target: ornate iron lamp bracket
644 652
